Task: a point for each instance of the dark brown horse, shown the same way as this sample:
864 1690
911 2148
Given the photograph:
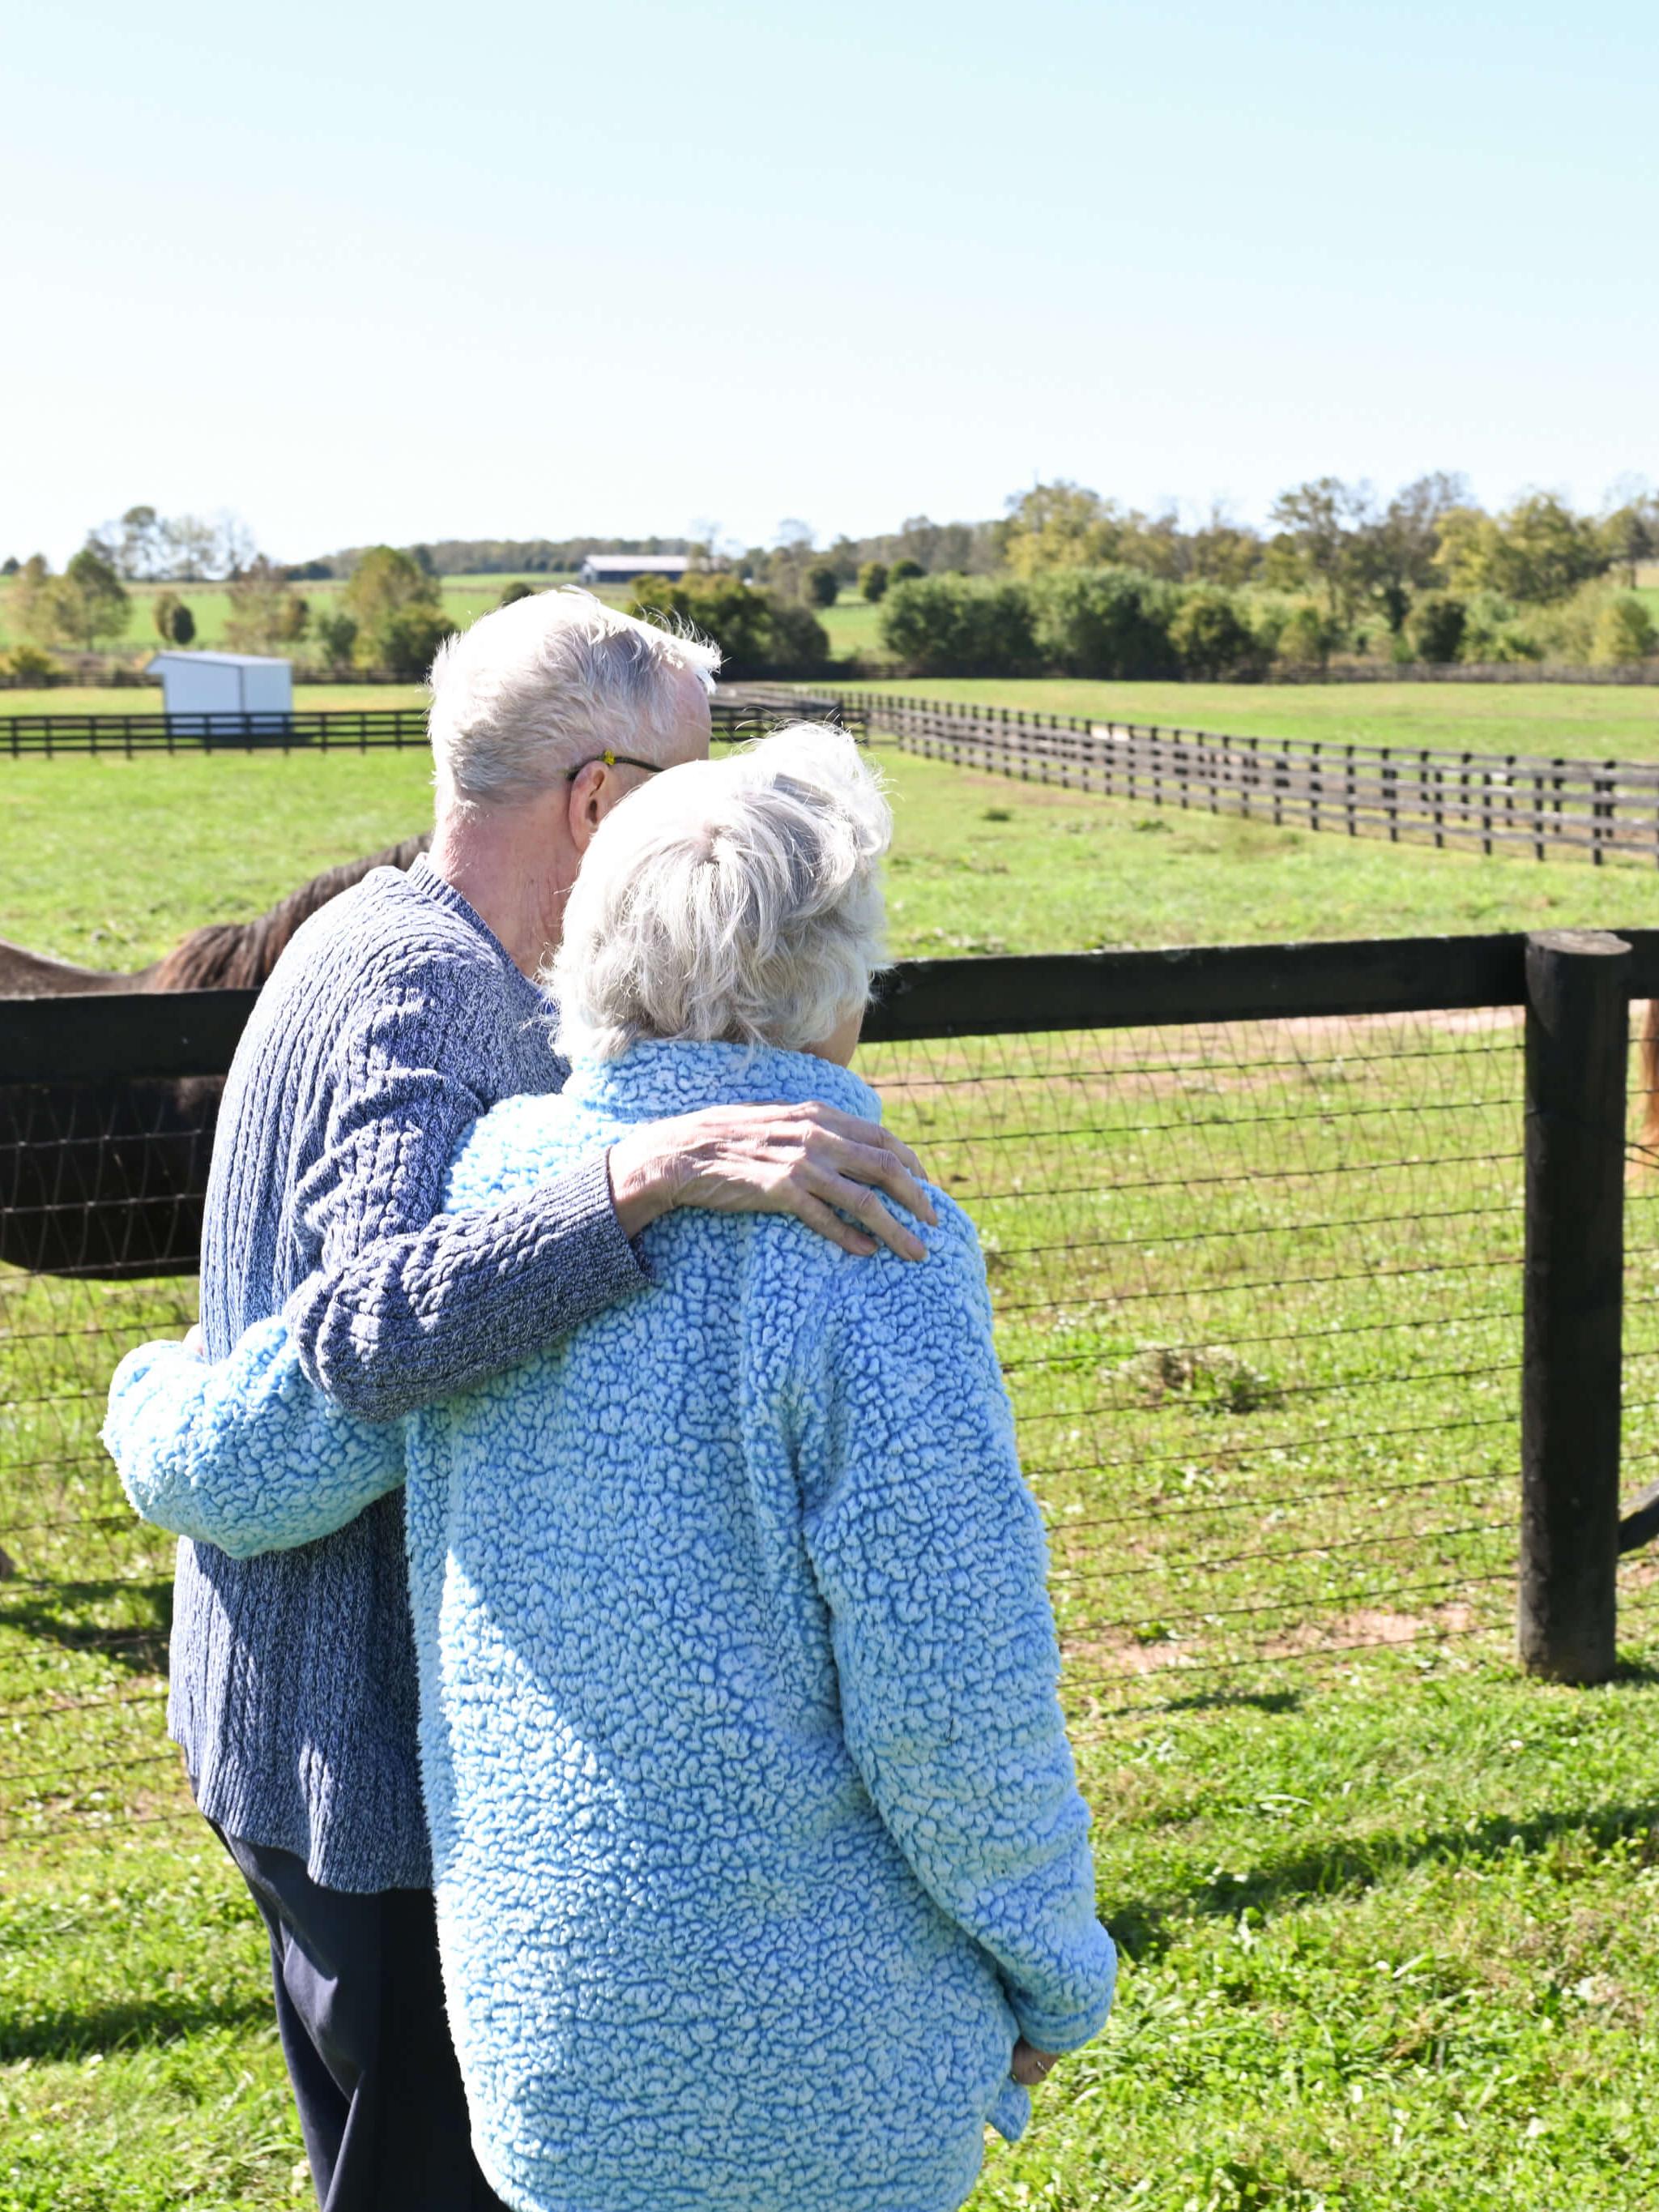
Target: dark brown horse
108 1178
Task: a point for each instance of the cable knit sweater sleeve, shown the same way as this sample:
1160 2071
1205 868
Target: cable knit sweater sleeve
410 1304
244 1455
929 1550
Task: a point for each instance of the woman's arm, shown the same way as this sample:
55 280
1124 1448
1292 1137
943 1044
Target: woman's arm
245 1454
930 1552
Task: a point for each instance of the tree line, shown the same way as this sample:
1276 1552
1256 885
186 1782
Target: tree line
388 619
1063 581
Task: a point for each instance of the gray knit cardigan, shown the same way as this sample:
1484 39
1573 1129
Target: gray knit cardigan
391 1022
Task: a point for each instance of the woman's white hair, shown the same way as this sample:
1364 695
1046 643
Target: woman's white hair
736 899
544 686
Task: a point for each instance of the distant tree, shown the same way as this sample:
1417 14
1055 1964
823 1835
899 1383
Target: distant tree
1437 623
334 634
1394 553
733 614
1223 552
902 570
1624 631
1212 639
10 565
822 585
33 614
267 615
234 547
872 580
192 547
1111 623
1537 551
517 590
90 604
142 547
27 664
759 633
1631 533
384 588
174 623
410 639
800 644
1497 630
1308 638
960 626
1322 542
1060 526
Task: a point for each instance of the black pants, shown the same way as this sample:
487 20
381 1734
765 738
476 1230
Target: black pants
360 2007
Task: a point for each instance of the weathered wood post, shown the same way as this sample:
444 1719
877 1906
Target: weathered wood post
1577 1041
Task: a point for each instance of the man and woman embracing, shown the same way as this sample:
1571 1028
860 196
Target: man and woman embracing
611 1636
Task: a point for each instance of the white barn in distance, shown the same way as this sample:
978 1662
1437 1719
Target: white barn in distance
224 684
628 567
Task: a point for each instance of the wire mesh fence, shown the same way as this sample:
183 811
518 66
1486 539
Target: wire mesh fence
103 1183
1257 1288
1258 1295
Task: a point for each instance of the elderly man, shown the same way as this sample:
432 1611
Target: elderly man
401 1012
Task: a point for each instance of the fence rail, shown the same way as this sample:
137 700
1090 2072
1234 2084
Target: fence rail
1291 1270
736 710
1487 802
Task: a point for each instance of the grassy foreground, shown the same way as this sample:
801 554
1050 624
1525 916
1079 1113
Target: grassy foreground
1388 1947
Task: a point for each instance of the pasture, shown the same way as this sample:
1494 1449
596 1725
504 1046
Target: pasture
465 599
1586 721
1386 1917
107 861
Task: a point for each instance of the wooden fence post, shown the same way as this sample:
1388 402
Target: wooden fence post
1576 1042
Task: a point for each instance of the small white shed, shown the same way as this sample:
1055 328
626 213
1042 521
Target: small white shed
225 683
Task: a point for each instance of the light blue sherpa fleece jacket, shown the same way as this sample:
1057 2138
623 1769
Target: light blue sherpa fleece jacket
755 1825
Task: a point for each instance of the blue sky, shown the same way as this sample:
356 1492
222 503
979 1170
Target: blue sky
533 269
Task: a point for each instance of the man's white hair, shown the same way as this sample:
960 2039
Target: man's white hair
551 682
736 899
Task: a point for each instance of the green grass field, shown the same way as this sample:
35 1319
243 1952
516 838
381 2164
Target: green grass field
1580 720
465 599
108 861
1383 1908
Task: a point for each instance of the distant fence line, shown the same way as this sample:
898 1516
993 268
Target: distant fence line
736 711
1409 795
1470 672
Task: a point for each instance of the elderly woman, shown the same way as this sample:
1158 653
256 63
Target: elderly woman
758 1848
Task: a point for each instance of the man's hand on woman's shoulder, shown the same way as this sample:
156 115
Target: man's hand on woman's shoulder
826 1168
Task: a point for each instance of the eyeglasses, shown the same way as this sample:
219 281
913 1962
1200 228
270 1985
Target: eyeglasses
614 760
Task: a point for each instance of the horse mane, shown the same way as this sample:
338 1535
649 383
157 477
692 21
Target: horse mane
240 955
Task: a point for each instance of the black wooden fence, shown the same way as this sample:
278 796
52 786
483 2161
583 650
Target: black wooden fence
1490 802
1330 1318
737 711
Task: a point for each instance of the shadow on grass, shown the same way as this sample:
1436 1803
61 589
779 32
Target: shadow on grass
1217 1701
140 2021
138 1644
1351 1864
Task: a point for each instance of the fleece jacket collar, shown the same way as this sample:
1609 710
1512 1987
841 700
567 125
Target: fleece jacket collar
653 1079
